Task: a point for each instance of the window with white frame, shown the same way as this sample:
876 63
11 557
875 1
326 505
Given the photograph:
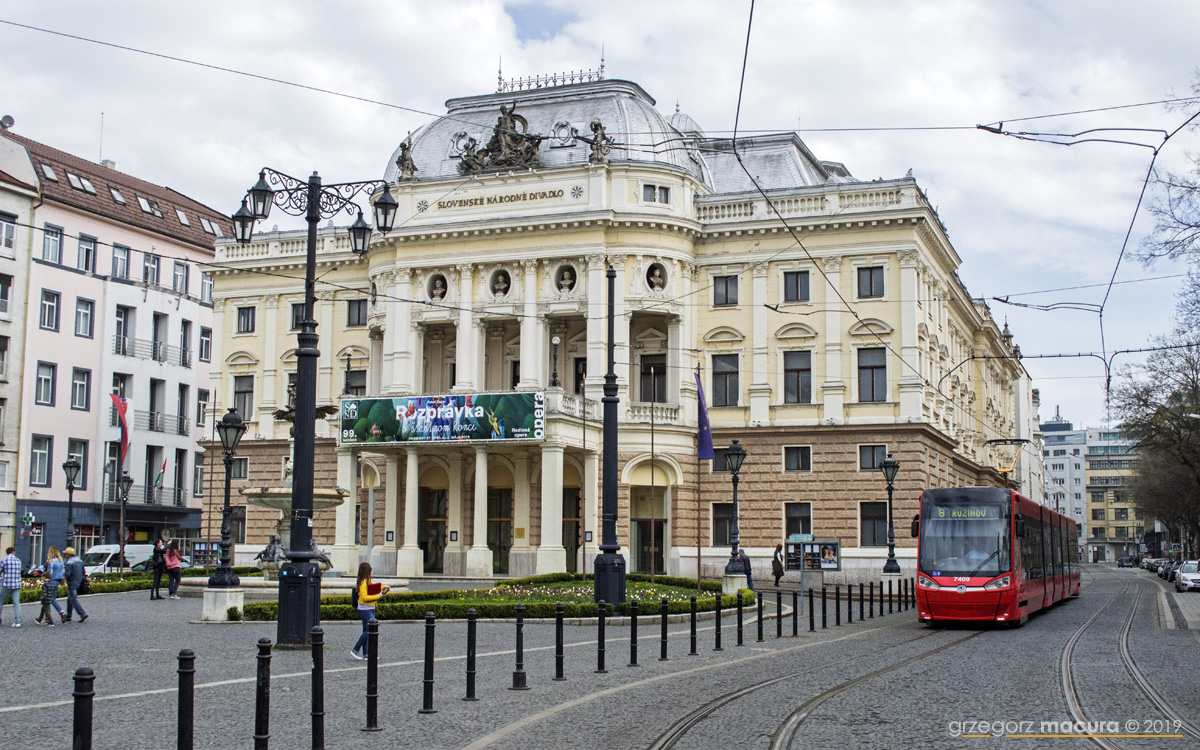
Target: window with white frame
872 374
656 194
149 206
40 455
85 311
206 288
205 350
240 468
120 262
48 314
201 407
245 319
81 389
243 396
44 389
795 286
797 377
870 282
797 458
725 379
86 258
78 450
870 457
356 312
3 475
150 268
725 291
179 280
52 244
5 294
8 231
198 475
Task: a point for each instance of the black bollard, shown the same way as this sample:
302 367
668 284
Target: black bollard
795 613
262 696
824 613
633 613
837 605
739 619
317 636
913 588
472 625
426 682
558 643
519 672
889 596
373 670
904 596
849 604
693 652
601 611
662 649
871 601
812 623
881 598
778 613
860 602
187 701
717 623
760 617
81 730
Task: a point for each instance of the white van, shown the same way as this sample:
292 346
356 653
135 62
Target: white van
105 558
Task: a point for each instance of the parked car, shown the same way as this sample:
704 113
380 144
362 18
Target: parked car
1125 562
1188 576
1171 574
146 566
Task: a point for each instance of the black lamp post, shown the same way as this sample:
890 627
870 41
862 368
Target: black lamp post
125 484
71 468
554 369
890 468
609 567
300 577
230 429
735 454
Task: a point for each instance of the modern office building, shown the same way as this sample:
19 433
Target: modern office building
1064 455
1116 528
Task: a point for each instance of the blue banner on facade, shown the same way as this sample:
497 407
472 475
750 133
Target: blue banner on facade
435 419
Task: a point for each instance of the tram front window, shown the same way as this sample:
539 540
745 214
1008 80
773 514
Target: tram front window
965 540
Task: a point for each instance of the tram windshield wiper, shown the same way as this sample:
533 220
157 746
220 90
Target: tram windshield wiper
989 557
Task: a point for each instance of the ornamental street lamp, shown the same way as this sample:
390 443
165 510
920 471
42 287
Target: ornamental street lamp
735 454
300 577
554 369
71 468
609 567
125 484
890 468
230 429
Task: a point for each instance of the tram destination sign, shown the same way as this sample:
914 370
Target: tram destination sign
450 418
973 513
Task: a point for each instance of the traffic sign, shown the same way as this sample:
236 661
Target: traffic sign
1177 547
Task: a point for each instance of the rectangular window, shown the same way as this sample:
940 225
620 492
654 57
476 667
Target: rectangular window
179 279
84 309
149 206
3 358
78 450
198 475
206 287
205 350
654 378
870 282
201 407
873 524
120 262
81 389
5 294
1120 514
8 231
116 194
725 379
797 458
356 312
44 388
297 317
664 194
40 458
245 319
725 291
649 192
870 457
48 315
356 383
150 266
872 375
1097 514
795 286
514 373
797 377
580 370
208 227
183 219
797 518
722 528
120 384
86 260
52 244
237 518
240 468
243 396
49 172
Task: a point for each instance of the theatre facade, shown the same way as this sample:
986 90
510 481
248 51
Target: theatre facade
465 352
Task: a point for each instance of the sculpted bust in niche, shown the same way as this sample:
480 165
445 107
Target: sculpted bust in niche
439 288
566 282
500 285
655 278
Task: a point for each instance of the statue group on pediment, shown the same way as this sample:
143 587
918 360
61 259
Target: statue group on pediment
511 146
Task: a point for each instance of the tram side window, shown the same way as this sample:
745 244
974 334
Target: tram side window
1031 549
1056 537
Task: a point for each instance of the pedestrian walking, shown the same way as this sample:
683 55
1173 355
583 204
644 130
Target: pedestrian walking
365 595
746 567
777 564
49 597
54 566
10 584
73 575
159 563
174 564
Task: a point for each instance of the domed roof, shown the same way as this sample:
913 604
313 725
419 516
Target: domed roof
684 123
562 115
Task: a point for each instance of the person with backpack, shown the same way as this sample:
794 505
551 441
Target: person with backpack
74 577
173 561
159 564
363 598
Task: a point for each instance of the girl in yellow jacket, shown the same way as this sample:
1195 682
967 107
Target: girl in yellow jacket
366 606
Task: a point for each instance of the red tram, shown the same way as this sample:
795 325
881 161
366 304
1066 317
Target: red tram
967 569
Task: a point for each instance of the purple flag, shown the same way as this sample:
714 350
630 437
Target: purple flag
704 445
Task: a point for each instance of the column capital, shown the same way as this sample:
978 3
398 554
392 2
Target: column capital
909 258
270 300
530 265
832 265
595 262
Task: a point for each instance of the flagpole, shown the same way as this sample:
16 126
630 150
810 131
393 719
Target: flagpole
653 398
698 487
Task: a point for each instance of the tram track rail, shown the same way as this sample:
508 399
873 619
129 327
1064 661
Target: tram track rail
1140 679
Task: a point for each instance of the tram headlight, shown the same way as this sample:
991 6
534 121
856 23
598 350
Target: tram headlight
999 583
928 583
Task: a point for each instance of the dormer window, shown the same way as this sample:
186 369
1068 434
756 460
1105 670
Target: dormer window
208 225
116 194
149 206
49 172
81 183
183 219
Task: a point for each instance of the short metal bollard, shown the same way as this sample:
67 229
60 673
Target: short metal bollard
837 605
778 613
662 649
824 613
812 623
81 729
760 617
373 670
317 636
913 589
427 680
518 682
717 623
472 625
601 611
881 598
693 652
849 604
860 602
889 596
262 696
871 601
904 596
633 613
187 702
740 642
558 643
795 613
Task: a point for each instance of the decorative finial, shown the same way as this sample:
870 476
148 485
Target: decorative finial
676 106
602 62
500 73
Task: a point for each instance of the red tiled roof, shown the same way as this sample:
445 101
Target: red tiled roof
131 188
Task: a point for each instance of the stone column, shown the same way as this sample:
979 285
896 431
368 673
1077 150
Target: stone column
409 560
270 363
591 506
344 553
399 322
521 559
467 345
597 337
675 373
326 366
551 555
454 560
529 327
377 373
385 549
834 387
479 556
760 387
221 393
911 388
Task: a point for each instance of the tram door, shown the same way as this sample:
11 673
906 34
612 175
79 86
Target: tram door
500 527
433 511
571 536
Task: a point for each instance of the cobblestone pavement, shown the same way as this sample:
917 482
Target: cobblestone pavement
1001 674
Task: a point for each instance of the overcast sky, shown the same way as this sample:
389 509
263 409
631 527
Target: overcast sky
1023 216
